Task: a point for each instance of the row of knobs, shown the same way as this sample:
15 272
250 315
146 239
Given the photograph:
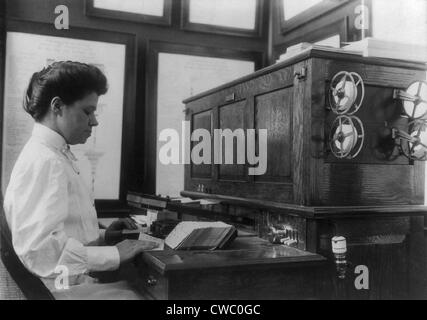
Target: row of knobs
203 189
291 237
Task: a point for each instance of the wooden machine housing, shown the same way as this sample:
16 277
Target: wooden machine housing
373 200
290 100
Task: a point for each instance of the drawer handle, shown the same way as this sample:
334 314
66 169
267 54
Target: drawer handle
151 281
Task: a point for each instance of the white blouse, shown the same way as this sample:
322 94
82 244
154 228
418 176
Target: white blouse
51 213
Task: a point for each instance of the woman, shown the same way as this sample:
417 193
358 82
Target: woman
48 208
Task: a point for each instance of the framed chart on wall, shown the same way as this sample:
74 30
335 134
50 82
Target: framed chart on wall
294 14
144 11
183 71
104 158
219 16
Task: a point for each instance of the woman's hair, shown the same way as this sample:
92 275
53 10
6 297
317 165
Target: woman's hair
68 80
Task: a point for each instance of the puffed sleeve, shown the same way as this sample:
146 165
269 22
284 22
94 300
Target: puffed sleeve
36 204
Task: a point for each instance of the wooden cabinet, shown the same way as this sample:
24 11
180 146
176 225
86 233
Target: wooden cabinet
290 101
374 199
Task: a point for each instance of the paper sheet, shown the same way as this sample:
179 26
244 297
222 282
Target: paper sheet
146 237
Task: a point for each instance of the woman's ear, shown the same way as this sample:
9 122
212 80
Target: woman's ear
56 105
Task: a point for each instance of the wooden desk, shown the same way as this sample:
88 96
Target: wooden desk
251 268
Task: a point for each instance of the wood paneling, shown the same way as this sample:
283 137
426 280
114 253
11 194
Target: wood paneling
273 112
253 112
301 133
231 117
347 184
202 120
315 176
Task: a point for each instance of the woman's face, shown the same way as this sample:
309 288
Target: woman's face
77 119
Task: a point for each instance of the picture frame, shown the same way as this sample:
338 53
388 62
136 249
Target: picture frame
166 19
257 32
129 95
308 15
150 129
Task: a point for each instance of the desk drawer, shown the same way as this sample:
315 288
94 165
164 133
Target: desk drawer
288 283
152 282
251 270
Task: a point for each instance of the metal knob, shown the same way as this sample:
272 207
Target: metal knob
151 281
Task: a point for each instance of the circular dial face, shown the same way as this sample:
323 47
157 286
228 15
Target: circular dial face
415 145
416 106
347 137
347 92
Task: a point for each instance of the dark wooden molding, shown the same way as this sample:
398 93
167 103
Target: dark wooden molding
315 53
166 19
308 15
324 212
261 15
128 126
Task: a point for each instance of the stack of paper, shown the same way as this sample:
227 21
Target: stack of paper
299 48
143 236
372 47
187 200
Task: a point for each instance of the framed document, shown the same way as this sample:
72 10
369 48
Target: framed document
145 11
294 14
183 71
219 16
103 159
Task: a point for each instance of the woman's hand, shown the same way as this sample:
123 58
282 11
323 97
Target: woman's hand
122 224
113 234
128 249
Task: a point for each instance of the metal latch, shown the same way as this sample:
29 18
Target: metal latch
302 74
230 98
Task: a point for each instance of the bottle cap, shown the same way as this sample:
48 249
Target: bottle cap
339 245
